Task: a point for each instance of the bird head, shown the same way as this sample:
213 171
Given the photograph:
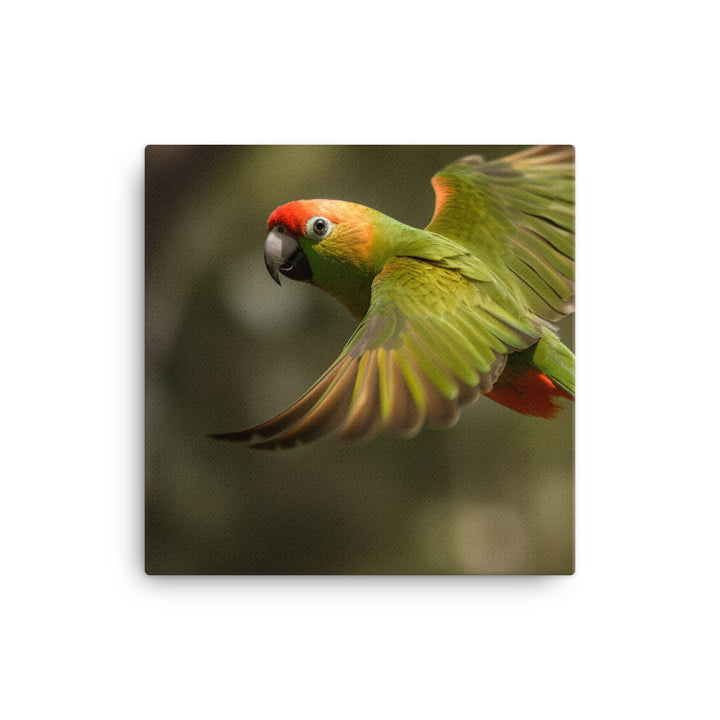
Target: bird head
307 237
335 245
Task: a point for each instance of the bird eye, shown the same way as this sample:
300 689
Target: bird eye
318 227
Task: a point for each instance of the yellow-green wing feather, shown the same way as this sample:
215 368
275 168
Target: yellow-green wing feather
431 342
516 215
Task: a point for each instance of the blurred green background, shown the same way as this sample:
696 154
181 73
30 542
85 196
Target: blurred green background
227 348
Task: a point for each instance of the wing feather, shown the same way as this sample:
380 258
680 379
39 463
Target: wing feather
363 419
406 412
324 417
516 214
404 368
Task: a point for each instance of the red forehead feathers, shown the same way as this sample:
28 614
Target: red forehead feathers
292 216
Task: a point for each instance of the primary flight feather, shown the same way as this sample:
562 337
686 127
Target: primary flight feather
462 308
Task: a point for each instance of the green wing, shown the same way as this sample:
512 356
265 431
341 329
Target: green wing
432 341
516 215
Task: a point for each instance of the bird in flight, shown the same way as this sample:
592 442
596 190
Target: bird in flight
465 307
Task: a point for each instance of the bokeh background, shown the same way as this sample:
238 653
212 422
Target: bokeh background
227 348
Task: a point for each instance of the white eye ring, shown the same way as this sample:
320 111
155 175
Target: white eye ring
318 227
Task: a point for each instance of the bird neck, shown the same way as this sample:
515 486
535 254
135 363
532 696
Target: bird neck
346 267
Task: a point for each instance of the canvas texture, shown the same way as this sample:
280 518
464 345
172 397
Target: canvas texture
226 348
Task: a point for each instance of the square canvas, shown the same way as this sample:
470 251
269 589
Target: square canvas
414 313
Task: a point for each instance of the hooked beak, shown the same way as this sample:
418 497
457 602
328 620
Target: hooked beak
283 254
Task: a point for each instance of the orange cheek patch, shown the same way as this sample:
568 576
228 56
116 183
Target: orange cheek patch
351 244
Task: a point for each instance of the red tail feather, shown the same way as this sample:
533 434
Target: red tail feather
529 392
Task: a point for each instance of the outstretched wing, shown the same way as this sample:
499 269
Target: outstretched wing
517 215
432 341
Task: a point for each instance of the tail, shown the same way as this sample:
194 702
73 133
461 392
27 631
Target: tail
534 378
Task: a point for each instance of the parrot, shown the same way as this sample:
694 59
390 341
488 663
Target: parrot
465 307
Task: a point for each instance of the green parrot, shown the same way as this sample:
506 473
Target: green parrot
460 309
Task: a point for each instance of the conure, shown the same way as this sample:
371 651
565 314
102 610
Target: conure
460 309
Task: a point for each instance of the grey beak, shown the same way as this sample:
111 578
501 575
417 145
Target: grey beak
284 255
279 248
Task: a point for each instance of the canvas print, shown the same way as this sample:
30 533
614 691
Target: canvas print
359 360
